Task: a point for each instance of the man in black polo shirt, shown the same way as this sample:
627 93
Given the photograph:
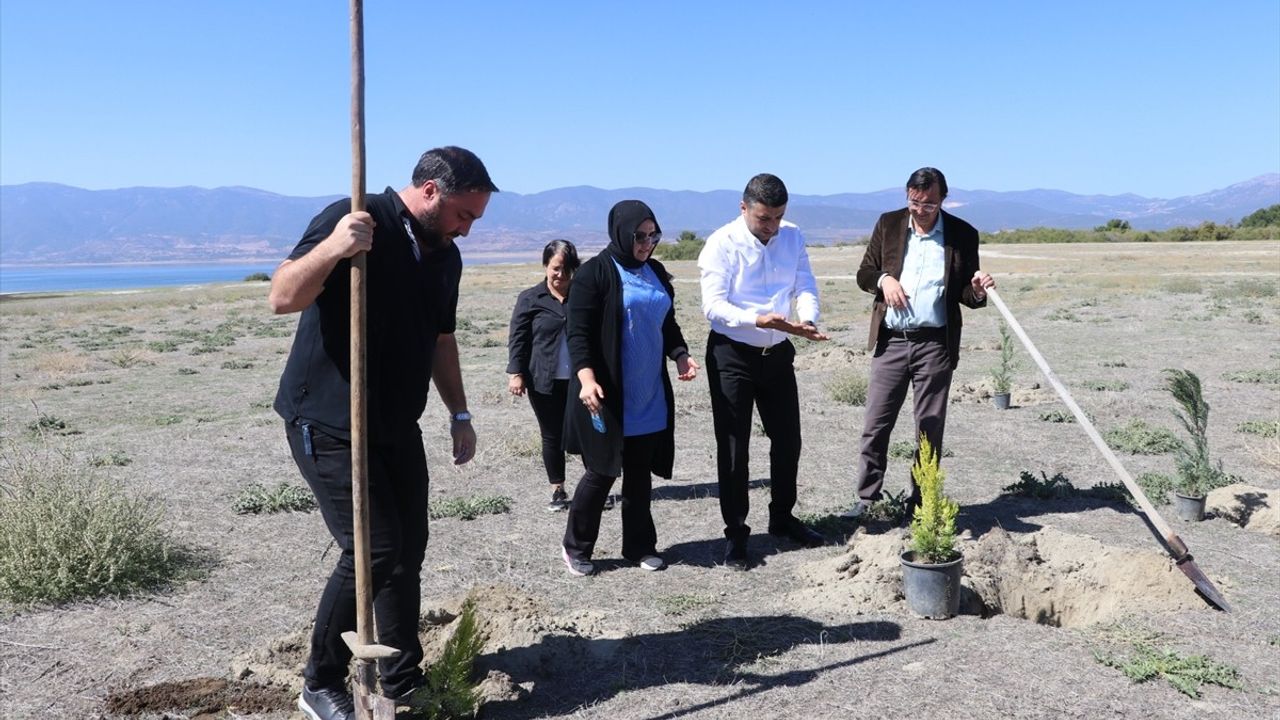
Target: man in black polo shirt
413 270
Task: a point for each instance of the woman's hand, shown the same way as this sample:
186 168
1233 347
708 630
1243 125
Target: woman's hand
515 384
591 393
687 368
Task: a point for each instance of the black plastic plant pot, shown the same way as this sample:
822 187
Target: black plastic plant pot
1189 509
932 589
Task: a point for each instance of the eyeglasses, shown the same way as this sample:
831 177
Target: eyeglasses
922 207
652 238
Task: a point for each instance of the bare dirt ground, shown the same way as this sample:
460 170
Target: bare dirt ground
180 382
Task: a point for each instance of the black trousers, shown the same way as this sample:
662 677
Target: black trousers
639 537
397 543
742 377
549 409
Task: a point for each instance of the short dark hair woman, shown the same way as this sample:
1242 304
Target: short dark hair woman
538 357
622 330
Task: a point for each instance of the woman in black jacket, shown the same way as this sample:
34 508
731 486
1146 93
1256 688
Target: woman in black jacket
538 357
622 330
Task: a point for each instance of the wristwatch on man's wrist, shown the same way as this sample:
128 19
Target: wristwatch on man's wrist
458 417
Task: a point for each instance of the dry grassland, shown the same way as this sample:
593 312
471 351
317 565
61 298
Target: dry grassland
180 382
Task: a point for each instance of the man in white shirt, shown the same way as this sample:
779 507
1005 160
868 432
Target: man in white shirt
921 264
752 270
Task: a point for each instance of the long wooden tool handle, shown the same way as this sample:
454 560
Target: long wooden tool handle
1176 546
359 432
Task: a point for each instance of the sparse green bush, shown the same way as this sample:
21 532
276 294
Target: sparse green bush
449 692
1114 363
1186 673
1269 376
469 508
1059 487
1064 315
1265 428
166 420
683 603
257 277
237 364
1041 488
1057 416
1139 438
188 371
849 388
127 359
162 346
906 449
50 425
67 534
115 458
1155 486
1105 385
257 499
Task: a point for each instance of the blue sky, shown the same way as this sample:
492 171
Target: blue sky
1159 99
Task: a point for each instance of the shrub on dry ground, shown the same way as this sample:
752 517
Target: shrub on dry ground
67 534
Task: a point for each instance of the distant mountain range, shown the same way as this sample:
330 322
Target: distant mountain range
50 223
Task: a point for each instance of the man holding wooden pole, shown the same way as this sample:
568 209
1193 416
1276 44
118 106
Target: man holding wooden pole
413 270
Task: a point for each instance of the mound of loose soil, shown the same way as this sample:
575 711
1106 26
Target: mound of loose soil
982 390
1049 577
1061 579
523 639
201 698
1250 507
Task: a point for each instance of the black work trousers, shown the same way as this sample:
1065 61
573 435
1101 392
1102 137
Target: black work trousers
397 543
743 377
639 537
549 408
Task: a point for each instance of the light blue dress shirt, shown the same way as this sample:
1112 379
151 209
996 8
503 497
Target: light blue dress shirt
923 269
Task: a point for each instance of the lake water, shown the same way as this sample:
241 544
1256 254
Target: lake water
69 278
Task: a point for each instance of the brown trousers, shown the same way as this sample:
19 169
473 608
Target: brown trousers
919 362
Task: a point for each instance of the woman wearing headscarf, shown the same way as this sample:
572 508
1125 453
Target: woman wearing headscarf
621 414
538 357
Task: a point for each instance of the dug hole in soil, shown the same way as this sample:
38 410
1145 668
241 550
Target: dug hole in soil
1049 577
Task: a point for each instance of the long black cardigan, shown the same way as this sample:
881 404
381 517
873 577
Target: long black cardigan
595 341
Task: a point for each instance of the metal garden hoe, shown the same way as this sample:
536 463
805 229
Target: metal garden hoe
1176 548
369 703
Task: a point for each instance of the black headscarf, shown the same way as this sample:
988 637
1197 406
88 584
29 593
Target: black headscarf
624 218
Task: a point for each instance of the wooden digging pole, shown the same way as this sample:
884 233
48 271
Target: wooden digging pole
1176 548
370 704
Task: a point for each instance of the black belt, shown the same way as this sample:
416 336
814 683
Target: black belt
925 333
750 349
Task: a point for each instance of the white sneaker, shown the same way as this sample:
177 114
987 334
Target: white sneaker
579 568
651 563
858 510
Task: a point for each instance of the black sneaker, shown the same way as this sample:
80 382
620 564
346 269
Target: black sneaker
559 501
405 698
608 502
735 555
331 703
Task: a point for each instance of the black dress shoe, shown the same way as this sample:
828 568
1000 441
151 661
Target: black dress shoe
735 555
798 532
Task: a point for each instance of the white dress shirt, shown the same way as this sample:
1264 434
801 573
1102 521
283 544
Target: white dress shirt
743 278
